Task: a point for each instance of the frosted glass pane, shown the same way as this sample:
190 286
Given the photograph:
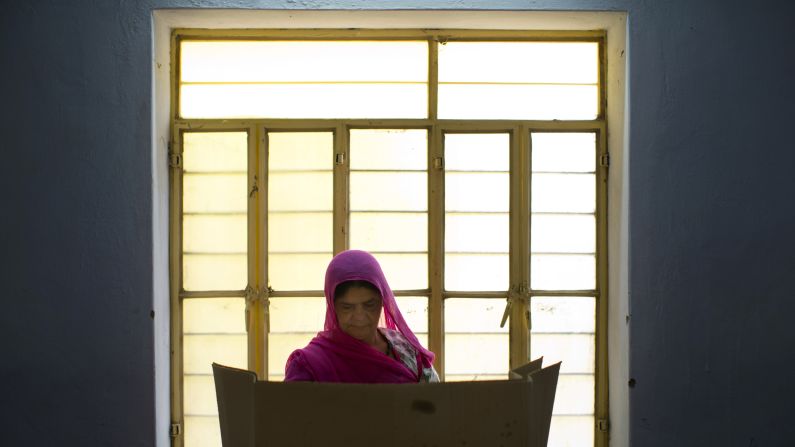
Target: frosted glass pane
474 342
215 152
199 398
389 231
301 191
389 191
415 312
476 354
380 100
564 152
574 394
294 315
214 272
300 232
391 149
561 233
477 152
213 193
562 272
474 315
516 101
300 150
563 315
571 431
202 431
481 233
404 271
214 315
297 271
303 61
564 193
280 346
476 191
200 351
476 272
519 62
214 233
576 351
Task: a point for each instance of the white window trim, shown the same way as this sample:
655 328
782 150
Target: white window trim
615 25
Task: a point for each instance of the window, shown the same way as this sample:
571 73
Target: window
470 163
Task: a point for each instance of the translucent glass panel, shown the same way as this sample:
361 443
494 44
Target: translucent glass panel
477 195
300 204
563 329
519 80
389 201
476 348
304 79
213 331
563 222
214 205
293 323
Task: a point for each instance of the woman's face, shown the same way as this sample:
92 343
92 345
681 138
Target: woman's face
358 311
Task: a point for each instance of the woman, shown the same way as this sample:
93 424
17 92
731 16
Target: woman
353 348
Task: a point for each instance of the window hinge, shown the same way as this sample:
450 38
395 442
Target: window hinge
175 430
438 163
174 160
604 160
602 425
339 158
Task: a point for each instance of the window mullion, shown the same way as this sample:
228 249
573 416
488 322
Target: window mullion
519 248
601 401
341 181
433 78
256 293
175 265
436 248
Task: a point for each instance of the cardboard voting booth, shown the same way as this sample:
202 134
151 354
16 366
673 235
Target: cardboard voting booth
499 413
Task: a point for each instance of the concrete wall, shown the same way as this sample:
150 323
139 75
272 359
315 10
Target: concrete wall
711 218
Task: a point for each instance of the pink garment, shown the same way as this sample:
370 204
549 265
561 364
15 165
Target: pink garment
334 356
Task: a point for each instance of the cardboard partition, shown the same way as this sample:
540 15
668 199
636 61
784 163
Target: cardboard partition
500 413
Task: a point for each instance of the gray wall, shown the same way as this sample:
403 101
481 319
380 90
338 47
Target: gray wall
712 247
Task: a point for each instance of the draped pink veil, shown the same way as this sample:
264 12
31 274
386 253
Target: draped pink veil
334 355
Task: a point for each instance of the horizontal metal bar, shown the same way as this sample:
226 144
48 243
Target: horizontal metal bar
303 82
212 173
216 334
215 253
446 125
391 171
565 293
562 253
212 294
491 294
295 293
445 35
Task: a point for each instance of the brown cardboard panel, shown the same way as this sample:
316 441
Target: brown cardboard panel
234 391
502 413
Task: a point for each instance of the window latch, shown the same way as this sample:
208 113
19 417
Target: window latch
175 430
339 158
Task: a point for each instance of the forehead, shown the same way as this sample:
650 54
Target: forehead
358 294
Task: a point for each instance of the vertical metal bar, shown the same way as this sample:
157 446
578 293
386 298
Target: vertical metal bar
433 78
519 248
340 156
252 259
601 367
175 285
259 149
436 247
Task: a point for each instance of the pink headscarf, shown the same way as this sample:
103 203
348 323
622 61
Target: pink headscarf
334 356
